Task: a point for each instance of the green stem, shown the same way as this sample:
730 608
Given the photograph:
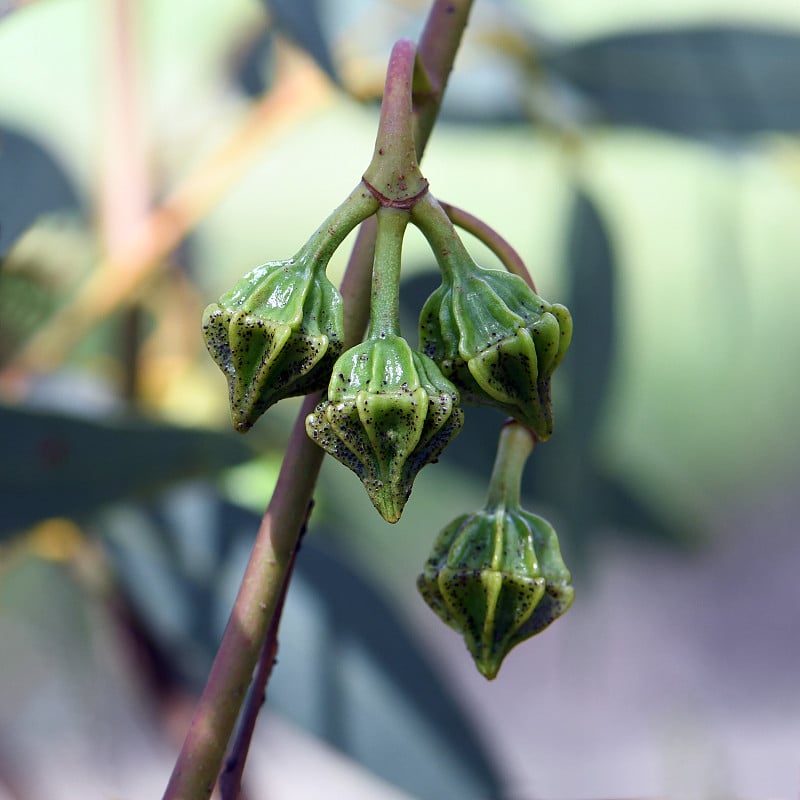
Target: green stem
393 175
385 305
269 568
452 256
359 205
487 235
514 446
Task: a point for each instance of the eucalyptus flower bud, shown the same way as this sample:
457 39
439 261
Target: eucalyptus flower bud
496 339
388 413
278 332
498 342
498 578
496 575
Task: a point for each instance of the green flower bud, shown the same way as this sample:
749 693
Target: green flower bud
496 575
498 342
276 334
487 329
389 412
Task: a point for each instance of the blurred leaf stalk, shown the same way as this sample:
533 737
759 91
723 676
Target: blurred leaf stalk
384 409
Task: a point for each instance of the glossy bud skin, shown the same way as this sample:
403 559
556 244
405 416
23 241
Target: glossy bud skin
497 577
389 412
276 334
498 342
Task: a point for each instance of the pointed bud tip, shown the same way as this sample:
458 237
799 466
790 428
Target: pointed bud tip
488 667
242 425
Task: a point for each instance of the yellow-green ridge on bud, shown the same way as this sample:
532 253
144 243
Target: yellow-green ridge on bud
496 575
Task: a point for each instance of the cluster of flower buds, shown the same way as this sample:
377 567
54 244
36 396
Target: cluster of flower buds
485 337
496 575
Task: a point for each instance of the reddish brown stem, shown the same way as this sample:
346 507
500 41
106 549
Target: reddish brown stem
438 45
253 613
230 779
393 175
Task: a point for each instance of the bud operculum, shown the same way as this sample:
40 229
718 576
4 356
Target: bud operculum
496 575
281 340
389 412
491 334
278 332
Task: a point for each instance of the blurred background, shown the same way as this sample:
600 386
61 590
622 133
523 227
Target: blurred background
642 157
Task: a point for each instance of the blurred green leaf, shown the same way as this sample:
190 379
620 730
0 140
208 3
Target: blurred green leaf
300 21
42 269
27 299
569 472
622 508
177 559
564 472
705 81
58 465
591 275
31 184
253 71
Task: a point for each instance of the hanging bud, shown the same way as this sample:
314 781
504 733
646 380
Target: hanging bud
275 335
492 336
278 332
389 412
498 342
496 575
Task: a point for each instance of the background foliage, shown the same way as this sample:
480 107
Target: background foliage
642 158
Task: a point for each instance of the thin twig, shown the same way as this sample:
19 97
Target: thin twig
438 45
500 246
230 779
255 608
